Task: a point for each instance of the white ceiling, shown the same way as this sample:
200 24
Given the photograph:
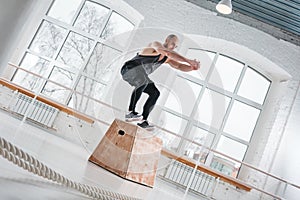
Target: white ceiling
280 18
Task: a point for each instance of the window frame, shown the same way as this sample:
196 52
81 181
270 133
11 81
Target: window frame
118 6
233 97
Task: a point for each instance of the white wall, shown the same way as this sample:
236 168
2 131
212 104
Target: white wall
13 15
286 164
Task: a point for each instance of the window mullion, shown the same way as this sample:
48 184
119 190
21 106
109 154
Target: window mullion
93 78
76 30
176 113
53 59
36 54
76 14
105 23
80 72
235 138
233 97
58 22
190 123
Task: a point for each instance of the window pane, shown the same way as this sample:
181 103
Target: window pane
56 92
202 137
231 148
226 73
47 39
62 77
172 122
183 96
116 26
254 86
28 81
92 18
241 121
212 108
170 141
89 107
75 50
102 62
64 10
206 59
34 64
90 88
173 102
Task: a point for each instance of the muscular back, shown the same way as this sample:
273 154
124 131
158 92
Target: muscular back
150 51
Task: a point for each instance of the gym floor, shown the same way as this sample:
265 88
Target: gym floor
69 160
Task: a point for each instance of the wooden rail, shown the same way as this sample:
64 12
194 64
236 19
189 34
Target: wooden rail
59 106
207 170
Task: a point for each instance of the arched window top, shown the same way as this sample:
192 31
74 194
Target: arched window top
76 48
225 110
238 52
67 11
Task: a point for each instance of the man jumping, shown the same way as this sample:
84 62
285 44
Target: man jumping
136 71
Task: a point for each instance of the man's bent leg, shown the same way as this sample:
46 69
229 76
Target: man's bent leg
153 93
138 78
135 96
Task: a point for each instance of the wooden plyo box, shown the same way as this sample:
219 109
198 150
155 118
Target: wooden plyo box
129 151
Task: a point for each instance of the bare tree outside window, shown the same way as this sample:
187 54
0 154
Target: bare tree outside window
64 10
92 18
117 29
47 39
36 65
103 61
76 61
75 50
87 87
65 78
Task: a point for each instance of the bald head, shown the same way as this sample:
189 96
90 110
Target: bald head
171 42
171 36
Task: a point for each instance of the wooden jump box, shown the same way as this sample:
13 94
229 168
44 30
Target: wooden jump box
129 151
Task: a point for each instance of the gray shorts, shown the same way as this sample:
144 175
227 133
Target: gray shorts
136 76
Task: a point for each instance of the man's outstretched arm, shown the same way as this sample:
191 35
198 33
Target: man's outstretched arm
169 53
183 67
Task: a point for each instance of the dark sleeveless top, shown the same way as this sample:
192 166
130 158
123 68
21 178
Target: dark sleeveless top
149 63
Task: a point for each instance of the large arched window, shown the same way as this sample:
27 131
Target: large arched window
76 50
217 107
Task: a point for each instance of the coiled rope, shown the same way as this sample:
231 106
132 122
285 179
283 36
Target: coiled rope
31 164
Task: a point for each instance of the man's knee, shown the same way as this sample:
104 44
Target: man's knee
156 93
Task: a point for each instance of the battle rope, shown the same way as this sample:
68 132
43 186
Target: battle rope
29 163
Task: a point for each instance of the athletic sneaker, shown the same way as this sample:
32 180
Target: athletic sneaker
133 116
146 125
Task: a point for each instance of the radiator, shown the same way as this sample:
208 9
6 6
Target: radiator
181 174
35 110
